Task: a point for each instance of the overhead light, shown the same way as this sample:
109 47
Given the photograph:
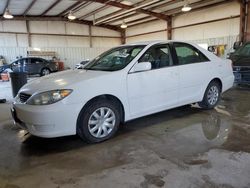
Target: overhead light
124 25
36 49
71 16
7 14
186 8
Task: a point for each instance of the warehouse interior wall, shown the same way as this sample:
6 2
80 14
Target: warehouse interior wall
216 25
133 34
70 41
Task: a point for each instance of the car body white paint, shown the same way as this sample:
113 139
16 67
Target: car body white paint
141 93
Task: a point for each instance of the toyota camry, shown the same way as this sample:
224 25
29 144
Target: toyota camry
124 83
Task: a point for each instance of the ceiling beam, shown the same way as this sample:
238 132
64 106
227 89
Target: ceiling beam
128 7
177 11
165 4
151 8
50 7
168 12
6 5
140 19
138 6
29 7
87 3
57 18
195 5
198 5
126 16
69 8
95 11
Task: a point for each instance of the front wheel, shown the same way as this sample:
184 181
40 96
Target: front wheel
45 71
99 121
211 96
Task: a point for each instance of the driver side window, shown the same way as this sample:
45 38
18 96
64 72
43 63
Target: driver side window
159 56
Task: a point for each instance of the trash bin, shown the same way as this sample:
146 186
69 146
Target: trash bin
18 79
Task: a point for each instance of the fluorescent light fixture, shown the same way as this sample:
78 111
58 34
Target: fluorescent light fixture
7 14
71 16
186 8
36 49
124 25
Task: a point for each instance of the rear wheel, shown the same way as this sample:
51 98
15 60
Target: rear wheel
211 96
45 71
99 121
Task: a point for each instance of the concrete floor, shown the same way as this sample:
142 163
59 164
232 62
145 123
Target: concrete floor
180 148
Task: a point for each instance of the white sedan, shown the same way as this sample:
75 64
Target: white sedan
122 84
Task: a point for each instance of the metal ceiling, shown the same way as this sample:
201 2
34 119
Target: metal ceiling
105 13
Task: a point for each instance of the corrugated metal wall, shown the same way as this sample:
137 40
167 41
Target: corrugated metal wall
69 55
70 41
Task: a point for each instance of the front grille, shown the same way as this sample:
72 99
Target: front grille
245 77
241 68
24 97
245 69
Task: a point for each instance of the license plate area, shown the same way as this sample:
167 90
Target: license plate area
237 76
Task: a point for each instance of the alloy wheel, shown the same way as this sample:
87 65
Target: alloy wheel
213 95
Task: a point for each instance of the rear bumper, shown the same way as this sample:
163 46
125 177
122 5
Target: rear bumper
227 83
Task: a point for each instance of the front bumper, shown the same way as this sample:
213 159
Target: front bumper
46 121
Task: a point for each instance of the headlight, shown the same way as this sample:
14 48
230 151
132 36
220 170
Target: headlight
49 97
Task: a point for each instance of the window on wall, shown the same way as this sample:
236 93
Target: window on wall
158 55
188 54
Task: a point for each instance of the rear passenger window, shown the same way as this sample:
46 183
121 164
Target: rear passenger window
35 61
188 54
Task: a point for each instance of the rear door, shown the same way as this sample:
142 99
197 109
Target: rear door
157 89
195 72
36 65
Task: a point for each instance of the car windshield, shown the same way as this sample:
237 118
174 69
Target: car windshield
115 59
243 50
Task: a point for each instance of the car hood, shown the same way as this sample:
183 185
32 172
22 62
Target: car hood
61 80
240 60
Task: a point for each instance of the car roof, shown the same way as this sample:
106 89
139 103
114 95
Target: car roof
156 42
210 55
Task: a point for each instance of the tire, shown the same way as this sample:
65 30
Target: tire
45 71
212 96
88 120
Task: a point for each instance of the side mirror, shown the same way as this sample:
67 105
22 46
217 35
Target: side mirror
142 66
237 45
211 49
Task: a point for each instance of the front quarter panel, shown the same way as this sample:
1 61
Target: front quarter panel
111 84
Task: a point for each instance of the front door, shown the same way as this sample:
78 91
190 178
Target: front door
35 66
157 89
